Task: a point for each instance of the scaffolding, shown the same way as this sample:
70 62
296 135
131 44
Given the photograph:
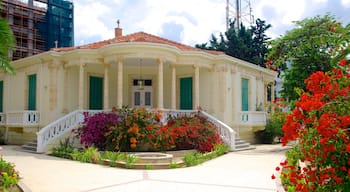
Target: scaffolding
37 24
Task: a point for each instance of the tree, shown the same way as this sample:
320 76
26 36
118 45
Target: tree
249 44
6 45
260 42
315 44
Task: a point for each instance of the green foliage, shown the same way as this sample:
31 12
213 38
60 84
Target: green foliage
195 158
64 149
174 165
6 46
8 177
249 44
130 161
89 155
315 44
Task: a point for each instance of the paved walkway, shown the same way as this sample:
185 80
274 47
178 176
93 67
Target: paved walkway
246 171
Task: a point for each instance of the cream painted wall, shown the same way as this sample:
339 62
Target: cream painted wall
205 95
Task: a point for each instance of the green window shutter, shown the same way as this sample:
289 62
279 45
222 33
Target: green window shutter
96 93
32 92
1 95
186 93
245 106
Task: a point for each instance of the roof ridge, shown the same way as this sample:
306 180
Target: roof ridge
139 37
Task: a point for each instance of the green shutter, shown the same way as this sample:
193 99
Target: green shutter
1 95
245 95
96 93
186 93
32 92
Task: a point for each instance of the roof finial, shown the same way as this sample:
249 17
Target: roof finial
118 22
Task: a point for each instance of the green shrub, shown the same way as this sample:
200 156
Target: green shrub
8 177
273 127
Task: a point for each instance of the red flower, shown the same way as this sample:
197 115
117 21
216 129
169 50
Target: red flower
274 177
277 168
149 127
343 62
348 148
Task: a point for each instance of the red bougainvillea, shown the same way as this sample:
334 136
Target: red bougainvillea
320 127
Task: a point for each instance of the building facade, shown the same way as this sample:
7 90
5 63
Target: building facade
135 70
39 25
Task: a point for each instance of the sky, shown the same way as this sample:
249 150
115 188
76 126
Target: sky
191 21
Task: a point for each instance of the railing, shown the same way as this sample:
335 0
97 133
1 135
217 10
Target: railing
23 118
60 127
2 119
227 134
252 118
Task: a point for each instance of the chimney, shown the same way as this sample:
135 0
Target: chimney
118 32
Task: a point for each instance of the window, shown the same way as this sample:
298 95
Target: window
32 92
245 106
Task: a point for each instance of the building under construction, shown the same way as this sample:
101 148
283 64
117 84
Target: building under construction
39 25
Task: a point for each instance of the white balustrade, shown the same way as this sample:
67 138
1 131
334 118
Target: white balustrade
252 118
61 126
227 134
23 118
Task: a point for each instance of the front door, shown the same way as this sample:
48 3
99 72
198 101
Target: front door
142 95
96 93
186 93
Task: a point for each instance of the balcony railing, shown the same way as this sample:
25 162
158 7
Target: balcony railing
255 118
22 118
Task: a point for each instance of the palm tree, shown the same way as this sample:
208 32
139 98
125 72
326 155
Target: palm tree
6 45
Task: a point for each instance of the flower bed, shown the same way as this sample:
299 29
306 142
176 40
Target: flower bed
139 130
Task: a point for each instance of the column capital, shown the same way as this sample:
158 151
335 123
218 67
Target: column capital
161 60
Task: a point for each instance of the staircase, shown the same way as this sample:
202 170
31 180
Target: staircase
242 145
30 147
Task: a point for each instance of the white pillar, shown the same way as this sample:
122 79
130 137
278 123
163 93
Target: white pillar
160 84
173 87
120 85
196 86
81 86
106 87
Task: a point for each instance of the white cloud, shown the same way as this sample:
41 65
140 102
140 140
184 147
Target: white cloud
88 21
346 3
205 19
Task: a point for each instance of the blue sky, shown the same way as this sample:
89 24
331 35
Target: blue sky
190 21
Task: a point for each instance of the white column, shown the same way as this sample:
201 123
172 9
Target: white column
160 84
120 85
196 86
106 87
173 87
81 86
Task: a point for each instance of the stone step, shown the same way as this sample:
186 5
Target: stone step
242 145
30 147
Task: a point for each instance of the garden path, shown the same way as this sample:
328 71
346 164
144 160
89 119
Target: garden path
245 171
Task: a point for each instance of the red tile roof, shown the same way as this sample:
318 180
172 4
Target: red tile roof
137 37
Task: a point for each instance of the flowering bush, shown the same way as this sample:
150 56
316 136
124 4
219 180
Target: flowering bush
320 123
8 175
95 127
140 130
194 133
